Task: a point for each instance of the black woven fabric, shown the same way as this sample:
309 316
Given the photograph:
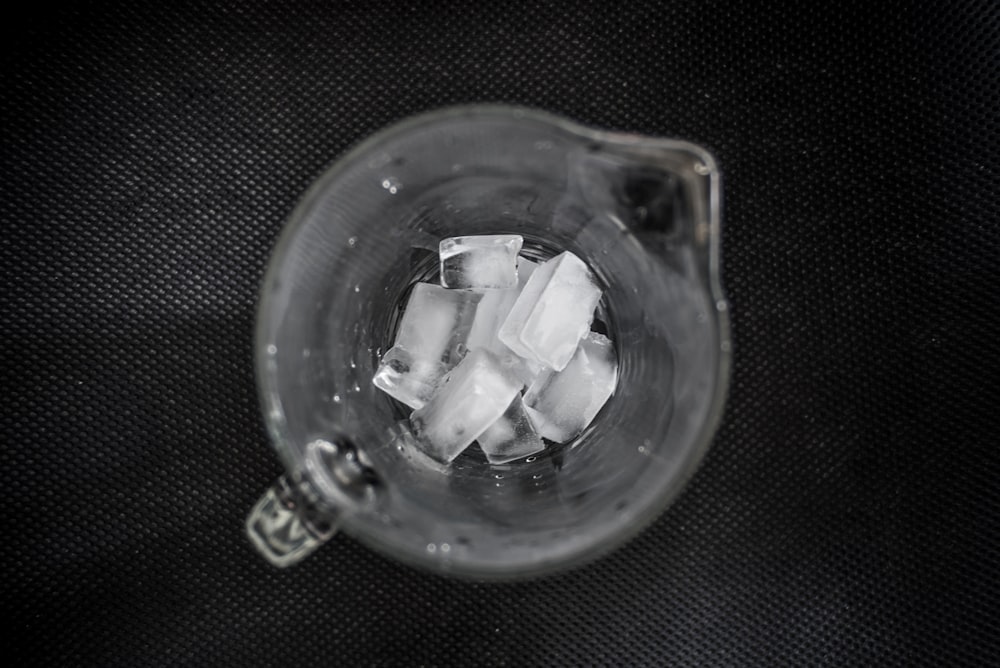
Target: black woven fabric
847 513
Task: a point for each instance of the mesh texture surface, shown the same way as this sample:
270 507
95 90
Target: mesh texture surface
847 513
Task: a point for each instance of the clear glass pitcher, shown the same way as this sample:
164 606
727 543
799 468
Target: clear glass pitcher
642 212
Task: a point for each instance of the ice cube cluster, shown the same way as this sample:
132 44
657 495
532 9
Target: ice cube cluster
500 353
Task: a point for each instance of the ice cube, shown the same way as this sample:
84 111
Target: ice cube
436 323
511 437
553 312
562 403
406 378
490 314
431 340
519 368
525 268
487 261
470 398
493 309
411 455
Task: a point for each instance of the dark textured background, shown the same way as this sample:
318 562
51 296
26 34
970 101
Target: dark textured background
848 511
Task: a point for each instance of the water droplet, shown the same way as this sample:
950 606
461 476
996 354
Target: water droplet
537 476
445 548
721 306
357 288
272 349
431 548
531 459
392 184
353 365
498 476
306 353
701 168
357 388
336 398
642 449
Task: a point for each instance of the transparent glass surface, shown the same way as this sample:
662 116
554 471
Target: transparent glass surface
643 213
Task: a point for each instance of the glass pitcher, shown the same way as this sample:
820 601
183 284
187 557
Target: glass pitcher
642 212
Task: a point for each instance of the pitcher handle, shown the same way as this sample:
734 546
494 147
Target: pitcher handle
285 527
